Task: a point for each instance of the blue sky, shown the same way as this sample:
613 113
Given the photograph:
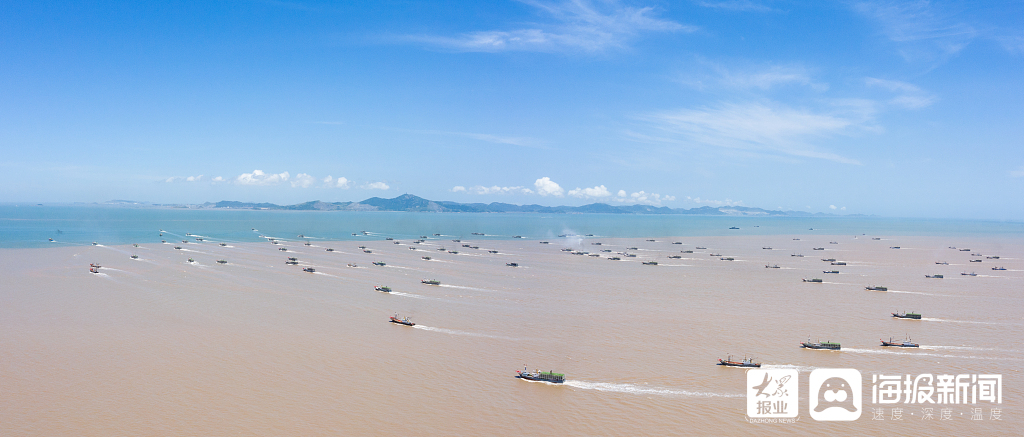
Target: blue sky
904 108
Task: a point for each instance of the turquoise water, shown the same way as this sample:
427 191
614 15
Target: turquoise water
32 226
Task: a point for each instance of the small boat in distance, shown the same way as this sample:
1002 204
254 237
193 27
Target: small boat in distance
904 343
830 271
431 282
766 248
829 259
826 345
427 258
675 256
728 258
771 266
933 276
733 227
224 244
998 268
95 266
512 264
875 238
191 260
403 321
746 362
812 280
942 263
177 247
650 263
309 270
907 315
352 265
495 251
700 248
379 263
382 288
839 263
992 257
549 376
819 248
329 249
876 288
137 257
93 270
797 255
894 247
685 251
222 261
968 274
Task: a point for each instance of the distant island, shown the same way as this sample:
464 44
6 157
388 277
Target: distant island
411 203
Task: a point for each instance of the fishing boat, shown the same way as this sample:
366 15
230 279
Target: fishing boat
379 263
545 242
309 270
629 255
829 259
875 238
135 245
812 280
549 376
998 268
427 258
933 276
135 256
431 281
965 250
876 288
614 258
650 263
819 248
292 263
894 247
797 255
352 265
367 251
95 266
771 266
51 239
968 274
907 315
677 242
700 248
942 263
975 261
512 264
675 256
453 252
733 227
839 263
728 258
992 257
714 254
382 288
517 236
481 233
904 343
282 249
330 250
632 248
222 261
177 247
191 260
307 244
95 243
826 345
389 239
765 248
685 251
292 258
746 362
224 244
830 271
402 321
94 271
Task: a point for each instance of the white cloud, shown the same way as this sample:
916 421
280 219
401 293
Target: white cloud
376 186
342 182
1018 173
598 192
303 180
726 202
910 96
644 198
622 193
479 189
831 207
497 139
184 178
760 76
579 25
763 127
842 209
545 187
458 189
258 177
218 179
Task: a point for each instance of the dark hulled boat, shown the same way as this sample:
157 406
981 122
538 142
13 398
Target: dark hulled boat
746 362
907 315
826 345
382 288
876 288
402 321
549 376
904 343
430 282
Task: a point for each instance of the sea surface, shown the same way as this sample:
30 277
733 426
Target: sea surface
175 343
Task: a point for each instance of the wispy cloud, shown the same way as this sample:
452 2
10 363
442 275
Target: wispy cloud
498 139
480 189
909 95
710 74
736 5
341 182
924 31
258 177
643 197
1018 173
576 25
760 127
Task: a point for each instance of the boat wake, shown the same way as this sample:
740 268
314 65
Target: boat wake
899 352
466 288
404 268
789 366
968 348
921 293
643 390
414 296
931 319
462 333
